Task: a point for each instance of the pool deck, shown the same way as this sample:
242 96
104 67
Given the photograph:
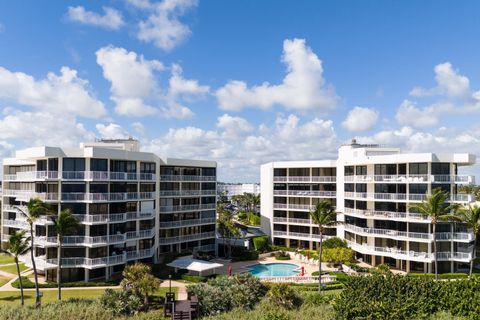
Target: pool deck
242 266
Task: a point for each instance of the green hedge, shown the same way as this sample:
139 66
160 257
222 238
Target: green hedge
282 257
28 284
245 256
395 297
260 243
194 279
458 275
280 248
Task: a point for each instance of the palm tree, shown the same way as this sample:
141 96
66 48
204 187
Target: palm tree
226 228
323 215
17 245
64 224
471 218
435 206
35 209
138 279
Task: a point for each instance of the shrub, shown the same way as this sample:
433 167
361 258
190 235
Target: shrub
253 219
334 242
121 302
282 255
260 243
381 269
195 279
398 297
337 255
28 284
223 293
284 296
244 255
440 276
277 248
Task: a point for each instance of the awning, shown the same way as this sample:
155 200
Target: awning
192 264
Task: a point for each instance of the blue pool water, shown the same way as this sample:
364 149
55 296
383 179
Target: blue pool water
274 270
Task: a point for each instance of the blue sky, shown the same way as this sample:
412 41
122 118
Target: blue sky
241 82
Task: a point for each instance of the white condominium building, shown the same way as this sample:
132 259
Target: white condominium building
234 189
131 205
372 188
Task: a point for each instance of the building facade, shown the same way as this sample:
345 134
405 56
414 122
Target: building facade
372 188
131 205
235 189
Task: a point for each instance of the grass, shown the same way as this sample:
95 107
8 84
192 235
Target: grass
3 280
5 259
13 297
13 268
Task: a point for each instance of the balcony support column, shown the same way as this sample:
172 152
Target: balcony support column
87 274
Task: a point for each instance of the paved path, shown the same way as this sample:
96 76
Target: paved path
181 287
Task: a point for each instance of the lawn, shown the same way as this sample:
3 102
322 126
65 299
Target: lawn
3 280
5 258
13 297
13 268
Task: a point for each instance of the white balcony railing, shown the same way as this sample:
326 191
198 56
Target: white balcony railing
390 215
78 175
187 193
305 193
184 223
187 178
190 237
412 197
299 235
191 207
419 178
25 195
291 220
327 179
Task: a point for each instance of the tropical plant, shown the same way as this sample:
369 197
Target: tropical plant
17 245
64 224
323 215
227 229
337 255
138 279
436 207
35 209
260 243
284 296
334 242
471 218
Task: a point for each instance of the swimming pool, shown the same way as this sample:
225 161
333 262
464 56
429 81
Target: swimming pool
274 270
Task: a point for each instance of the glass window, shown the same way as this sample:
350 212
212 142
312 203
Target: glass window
349 187
361 187
73 164
73 187
439 168
147 167
41 165
209 171
418 168
418 188
349 171
98 164
361 170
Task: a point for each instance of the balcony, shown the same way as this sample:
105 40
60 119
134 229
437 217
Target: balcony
187 178
191 207
78 175
425 178
411 255
185 223
187 193
387 215
185 238
402 197
291 220
307 179
299 235
113 217
25 195
305 193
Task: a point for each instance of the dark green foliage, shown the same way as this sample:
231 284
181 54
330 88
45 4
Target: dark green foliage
28 284
282 255
195 279
242 254
121 302
440 276
284 296
260 243
277 248
397 297
334 242
223 293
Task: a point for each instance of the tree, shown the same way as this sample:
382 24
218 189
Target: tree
17 245
471 218
334 242
138 279
64 224
35 209
227 229
436 207
323 215
337 255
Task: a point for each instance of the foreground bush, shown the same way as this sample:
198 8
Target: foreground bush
284 296
28 284
224 293
397 297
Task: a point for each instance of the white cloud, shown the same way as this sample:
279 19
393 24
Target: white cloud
135 85
111 131
162 26
409 114
234 126
450 83
303 87
112 19
63 93
240 149
42 128
132 79
360 119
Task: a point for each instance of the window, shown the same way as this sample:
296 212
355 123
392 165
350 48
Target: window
41 165
73 187
349 171
418 168
147 167
73 164
385 169
279 172
402 168
361 187
349 187
439 168
361 170
98 164
418 188
211 172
